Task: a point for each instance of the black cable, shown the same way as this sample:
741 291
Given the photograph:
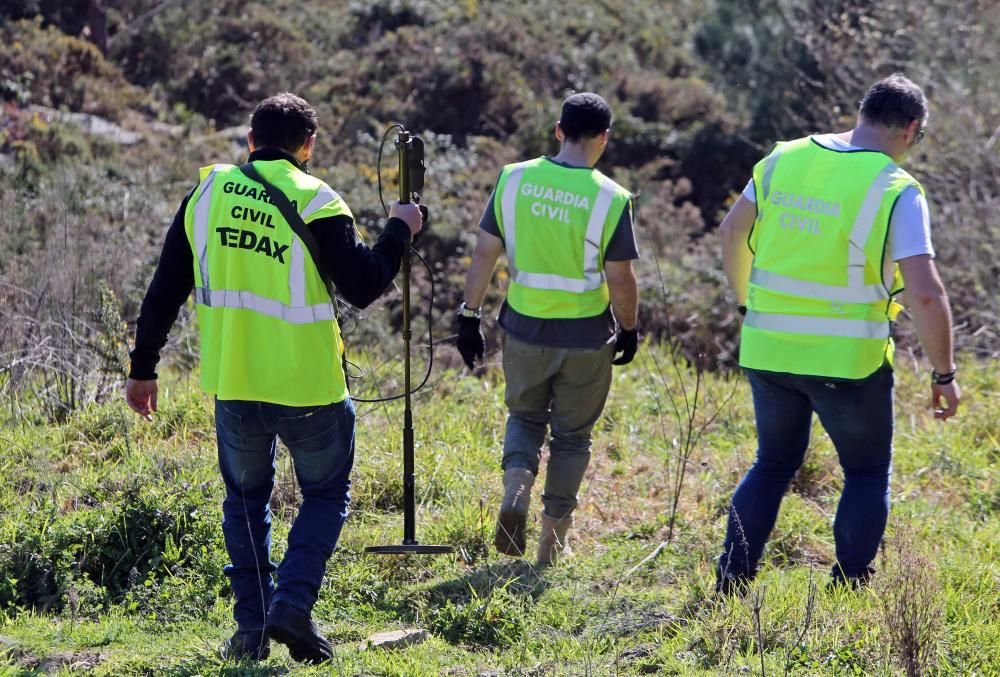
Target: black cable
378 163
347 310
430 275
430 341
430 321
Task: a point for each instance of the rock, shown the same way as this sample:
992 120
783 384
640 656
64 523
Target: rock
396 639
91 124
236 137
237 134
148 126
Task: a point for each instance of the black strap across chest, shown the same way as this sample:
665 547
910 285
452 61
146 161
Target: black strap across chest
293 218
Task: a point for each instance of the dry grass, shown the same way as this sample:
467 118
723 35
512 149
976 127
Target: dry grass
910 597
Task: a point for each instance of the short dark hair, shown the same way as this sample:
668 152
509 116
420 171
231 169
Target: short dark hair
283 121
584 115
894 101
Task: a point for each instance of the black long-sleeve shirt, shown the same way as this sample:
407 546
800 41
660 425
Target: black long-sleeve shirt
360 273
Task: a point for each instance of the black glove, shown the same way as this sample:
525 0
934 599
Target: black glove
626 344
471 342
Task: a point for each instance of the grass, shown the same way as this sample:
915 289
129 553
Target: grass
111 555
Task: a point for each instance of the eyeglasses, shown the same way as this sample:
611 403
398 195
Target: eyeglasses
919 135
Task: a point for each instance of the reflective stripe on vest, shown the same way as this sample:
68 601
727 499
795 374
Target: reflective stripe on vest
816 290
819 326
201 208
856 290
593 276
230 298
770 162
297 312
862 228
323 196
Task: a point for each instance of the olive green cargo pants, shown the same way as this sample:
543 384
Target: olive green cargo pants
561 388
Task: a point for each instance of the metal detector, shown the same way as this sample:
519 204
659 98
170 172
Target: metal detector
411 181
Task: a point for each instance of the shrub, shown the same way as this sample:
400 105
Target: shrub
690 125
498 619
911 603
31 573
43 66
198 54
145 536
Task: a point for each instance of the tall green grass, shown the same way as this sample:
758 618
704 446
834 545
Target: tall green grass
111 553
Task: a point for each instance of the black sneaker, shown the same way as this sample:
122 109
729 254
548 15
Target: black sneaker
252 645
839 579
732 584
295 629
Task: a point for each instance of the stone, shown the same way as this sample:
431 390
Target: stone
397 639
91 124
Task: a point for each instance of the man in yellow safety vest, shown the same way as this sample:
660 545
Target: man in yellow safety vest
271 354
816 249
567 232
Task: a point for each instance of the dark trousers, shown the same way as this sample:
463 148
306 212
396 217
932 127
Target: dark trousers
857 415
321 442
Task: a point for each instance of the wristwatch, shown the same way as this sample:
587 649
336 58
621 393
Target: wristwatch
466 311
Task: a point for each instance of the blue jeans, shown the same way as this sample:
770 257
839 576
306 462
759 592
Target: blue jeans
857 415
321 442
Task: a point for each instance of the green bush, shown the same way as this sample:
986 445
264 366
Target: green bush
135 536
496 620
44 66
218 59
31 573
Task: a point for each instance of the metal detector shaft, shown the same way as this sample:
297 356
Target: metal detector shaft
409 482
410 544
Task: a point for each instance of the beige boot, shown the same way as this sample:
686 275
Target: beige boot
554 540
511 524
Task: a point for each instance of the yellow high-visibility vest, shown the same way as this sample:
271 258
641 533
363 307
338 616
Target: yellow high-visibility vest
268 331
556 223
820 299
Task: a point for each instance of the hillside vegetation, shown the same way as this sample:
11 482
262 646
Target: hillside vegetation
701 90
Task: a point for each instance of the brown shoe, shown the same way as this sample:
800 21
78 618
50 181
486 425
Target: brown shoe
513 519
554 540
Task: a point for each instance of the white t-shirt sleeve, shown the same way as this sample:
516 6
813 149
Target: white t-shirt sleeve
749 192
910 227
